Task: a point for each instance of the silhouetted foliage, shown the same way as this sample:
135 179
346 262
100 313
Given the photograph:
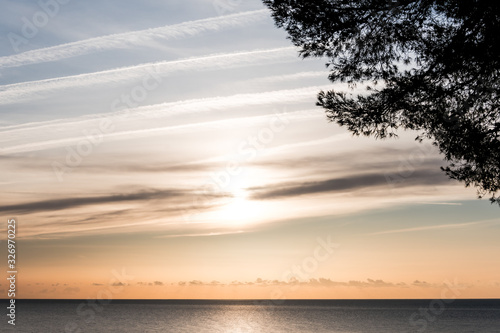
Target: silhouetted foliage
429 66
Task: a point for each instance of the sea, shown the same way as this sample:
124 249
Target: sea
246 316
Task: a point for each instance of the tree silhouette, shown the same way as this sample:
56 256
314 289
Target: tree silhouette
429 66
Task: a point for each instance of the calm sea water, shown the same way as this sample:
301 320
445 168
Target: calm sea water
292 316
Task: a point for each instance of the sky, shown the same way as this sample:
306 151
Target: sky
173 149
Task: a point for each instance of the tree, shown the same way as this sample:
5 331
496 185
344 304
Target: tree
429 66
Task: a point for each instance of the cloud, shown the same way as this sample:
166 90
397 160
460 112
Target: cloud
134 38
441 203
71 290
382 159
369 283
196 283
97 218
171 215
344 184
272 151
379 283
148 132
287 77
205 234
320 282
147 168
169 109
17 139
32 90
422 284
66 203
436 227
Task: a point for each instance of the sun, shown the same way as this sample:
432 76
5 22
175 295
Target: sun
239 210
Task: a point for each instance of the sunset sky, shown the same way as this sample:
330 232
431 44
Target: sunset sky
173 149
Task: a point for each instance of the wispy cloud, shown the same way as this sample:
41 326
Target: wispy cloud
286 96
133 38
441 203
436 227
67 203
33 90
287 147
320 282
148 132
347 183
206 234
52 134
288 77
